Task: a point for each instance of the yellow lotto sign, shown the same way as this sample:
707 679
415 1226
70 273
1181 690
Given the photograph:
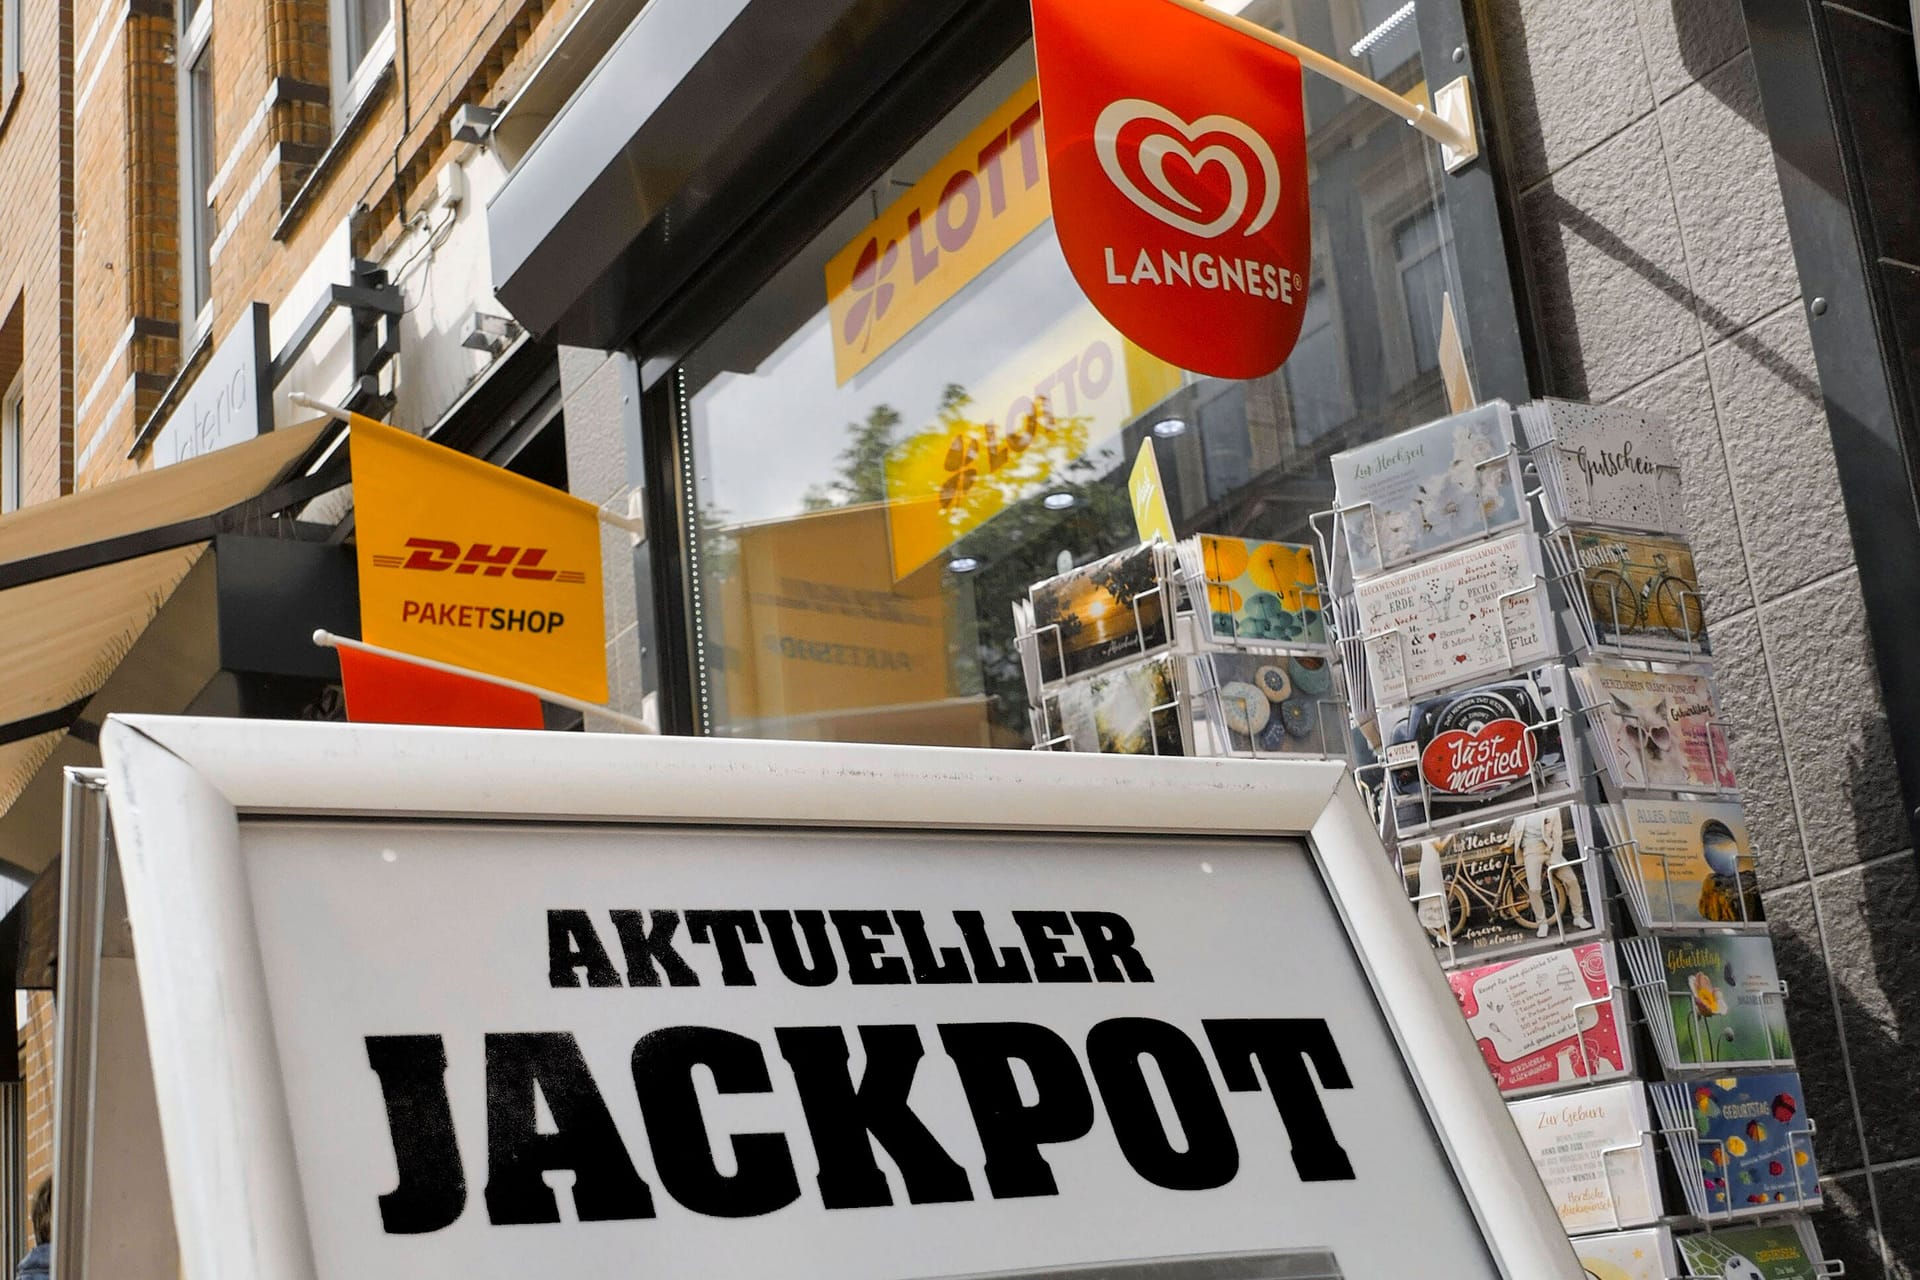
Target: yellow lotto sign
980 200
465 563
1069 390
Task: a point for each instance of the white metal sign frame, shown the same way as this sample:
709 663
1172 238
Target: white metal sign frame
180 789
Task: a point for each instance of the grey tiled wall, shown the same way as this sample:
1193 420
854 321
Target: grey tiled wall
1661 275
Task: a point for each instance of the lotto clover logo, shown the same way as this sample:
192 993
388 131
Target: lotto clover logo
872 293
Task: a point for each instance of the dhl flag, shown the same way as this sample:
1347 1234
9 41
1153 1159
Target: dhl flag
468 564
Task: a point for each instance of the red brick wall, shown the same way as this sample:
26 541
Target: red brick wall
36 1068
280 192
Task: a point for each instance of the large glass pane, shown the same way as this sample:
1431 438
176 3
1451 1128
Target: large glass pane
921 414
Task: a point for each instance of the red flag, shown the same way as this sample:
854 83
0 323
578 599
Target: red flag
1179 179
383 690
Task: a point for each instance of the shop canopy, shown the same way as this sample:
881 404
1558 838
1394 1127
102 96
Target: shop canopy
82 577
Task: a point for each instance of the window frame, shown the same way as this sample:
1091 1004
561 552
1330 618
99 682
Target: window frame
195 44
13 446
354 78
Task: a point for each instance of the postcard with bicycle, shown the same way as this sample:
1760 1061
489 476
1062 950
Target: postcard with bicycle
1638 594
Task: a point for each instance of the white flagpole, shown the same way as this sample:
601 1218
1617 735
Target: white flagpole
327 640
1457 136
632 524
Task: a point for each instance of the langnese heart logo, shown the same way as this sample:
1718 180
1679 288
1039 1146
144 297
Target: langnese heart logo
1463 762
1135 138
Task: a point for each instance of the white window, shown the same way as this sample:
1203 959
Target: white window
13 432
196 166
362 49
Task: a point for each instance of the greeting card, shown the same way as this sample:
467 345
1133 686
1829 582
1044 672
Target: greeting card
1548 1021
1629 1255
1778 1251
1752 1148
1656 730
1504 884
1468 614
1490 749
1259 593
1593 1151
1428 489
1724 1003
1639 593
1685 864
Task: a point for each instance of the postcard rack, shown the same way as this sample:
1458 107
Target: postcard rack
1208 662
1623 718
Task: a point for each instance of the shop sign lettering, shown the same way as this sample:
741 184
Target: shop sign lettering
1180 200
977 202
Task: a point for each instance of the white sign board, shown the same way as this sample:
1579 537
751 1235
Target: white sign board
226 403
416 1011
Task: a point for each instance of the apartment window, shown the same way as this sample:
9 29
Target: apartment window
13 431
362 48
1423 279
196 166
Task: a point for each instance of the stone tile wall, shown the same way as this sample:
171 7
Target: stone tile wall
1661 275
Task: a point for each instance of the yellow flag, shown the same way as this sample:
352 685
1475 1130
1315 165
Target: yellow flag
465 563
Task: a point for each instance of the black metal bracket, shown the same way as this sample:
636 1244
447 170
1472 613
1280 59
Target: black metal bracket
374 308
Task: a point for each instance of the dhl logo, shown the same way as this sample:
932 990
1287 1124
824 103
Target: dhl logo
435 556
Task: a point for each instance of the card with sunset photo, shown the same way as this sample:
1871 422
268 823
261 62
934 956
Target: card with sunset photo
1109 611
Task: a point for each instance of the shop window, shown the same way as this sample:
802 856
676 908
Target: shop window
13 434
362 47
919 414
196 167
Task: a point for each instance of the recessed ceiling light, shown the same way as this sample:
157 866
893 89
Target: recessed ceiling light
1057 501
1168 428
962 564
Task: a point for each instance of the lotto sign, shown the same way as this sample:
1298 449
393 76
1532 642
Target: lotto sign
453 1002
1179 179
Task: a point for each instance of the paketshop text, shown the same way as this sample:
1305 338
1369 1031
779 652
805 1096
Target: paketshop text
432 613
1026 1086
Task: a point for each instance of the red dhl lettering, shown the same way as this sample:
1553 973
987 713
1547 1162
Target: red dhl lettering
434 555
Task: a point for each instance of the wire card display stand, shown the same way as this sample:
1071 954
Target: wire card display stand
1307 716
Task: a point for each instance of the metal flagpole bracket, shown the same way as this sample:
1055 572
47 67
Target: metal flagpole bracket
1449 122
1453 103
